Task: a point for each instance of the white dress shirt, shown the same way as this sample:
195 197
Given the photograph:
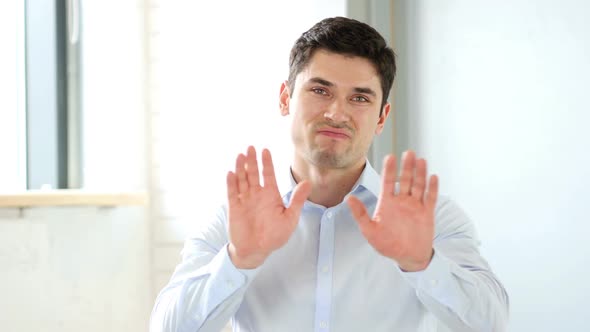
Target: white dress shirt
327 277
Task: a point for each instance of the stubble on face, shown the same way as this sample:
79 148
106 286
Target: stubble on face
328 155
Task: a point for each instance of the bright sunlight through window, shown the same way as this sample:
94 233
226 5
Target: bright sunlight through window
12 121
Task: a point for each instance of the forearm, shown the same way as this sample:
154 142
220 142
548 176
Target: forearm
175 313
202 299
464 298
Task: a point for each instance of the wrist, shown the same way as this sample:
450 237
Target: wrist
418 265
242 261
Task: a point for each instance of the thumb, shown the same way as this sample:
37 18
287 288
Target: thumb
300 194
361 215
359 211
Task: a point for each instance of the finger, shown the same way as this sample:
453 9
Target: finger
388 175
268 170
360 214
241 173
300 194
419 182
232 189
407 174
432 193
252 168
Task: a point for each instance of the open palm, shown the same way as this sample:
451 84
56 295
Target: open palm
402 226
259 222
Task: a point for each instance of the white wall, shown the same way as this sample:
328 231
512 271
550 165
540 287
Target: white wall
74 269
495 95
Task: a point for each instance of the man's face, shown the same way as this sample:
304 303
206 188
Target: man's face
335 107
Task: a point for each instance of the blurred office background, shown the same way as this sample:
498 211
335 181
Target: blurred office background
120 119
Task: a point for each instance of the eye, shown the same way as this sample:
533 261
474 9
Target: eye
360 99
319 91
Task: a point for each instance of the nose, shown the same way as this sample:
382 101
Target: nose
336 111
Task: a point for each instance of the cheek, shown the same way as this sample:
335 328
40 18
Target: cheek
367 130
312 106
372 125
308 114
297 126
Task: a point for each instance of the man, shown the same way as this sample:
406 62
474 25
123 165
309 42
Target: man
340 249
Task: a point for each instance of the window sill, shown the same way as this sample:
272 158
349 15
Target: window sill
71 197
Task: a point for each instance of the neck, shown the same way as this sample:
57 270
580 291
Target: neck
329 185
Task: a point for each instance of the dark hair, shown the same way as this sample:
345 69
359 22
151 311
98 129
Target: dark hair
349 37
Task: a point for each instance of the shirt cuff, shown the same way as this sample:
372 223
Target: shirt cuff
439 282
224 281
249 274
224 271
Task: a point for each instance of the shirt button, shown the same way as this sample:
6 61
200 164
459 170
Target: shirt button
323 324
325 268
433 282
329 214
230 283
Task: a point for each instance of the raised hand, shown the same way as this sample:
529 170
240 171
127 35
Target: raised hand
259 222
402 227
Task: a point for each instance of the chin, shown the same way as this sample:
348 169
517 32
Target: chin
329 159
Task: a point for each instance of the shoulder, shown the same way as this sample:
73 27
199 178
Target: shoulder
446 205
451 219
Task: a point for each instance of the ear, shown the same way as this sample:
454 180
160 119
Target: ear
284 99
382 118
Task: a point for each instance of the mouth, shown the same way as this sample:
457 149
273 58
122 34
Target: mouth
334 133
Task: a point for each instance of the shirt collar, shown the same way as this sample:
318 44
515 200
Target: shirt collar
369 180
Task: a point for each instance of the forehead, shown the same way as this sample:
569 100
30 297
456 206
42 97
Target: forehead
343 71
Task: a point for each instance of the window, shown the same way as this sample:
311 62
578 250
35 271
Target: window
12 97
38 134
51 85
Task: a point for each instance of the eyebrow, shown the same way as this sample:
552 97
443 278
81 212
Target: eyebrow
324 82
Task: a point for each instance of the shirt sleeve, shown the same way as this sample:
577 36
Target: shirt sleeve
206 288
458 286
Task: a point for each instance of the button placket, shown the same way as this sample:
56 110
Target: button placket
324 272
